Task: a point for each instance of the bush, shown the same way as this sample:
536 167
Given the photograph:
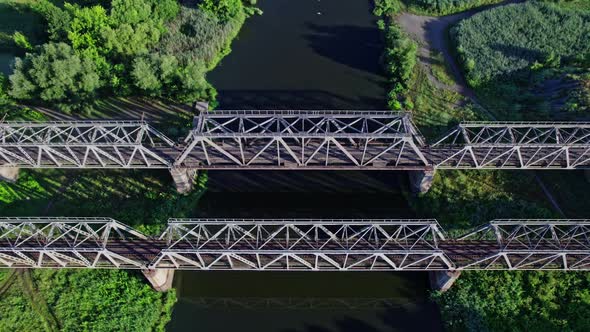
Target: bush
224 10
400 59
21 41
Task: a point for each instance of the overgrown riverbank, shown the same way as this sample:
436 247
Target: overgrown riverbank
100 50
460 200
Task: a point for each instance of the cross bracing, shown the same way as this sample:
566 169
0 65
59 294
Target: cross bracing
526 145
69 243
533 245
304 139
83 144
303 245
296 140
295 245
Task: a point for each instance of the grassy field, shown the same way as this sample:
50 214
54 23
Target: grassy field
528 61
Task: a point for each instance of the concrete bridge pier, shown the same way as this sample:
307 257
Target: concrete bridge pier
443 280
160 279
184 179
9 174
421 181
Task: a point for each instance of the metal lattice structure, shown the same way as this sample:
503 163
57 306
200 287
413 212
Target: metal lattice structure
371 140
313 245
295 245
514 145
83 144
303 139
531 245
69 243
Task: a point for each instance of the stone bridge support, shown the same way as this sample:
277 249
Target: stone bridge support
160 279
443 280
184 179
421 181
9 174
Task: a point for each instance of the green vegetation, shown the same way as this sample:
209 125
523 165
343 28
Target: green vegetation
517 301
90 300
445 7
522 67
122 48
84 300
436 110
17 17
504 40
400 59
94 55
527 61
56 74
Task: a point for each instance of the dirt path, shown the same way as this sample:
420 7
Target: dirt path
431 33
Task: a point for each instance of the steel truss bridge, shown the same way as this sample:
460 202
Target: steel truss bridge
295 140
295 245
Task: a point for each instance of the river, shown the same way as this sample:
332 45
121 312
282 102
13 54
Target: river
304 54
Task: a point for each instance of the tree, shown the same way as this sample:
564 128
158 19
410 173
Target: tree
57 75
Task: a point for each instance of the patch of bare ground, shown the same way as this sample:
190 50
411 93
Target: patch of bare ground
432 35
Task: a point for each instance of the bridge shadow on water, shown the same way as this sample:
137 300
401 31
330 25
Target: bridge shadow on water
295 302
306 194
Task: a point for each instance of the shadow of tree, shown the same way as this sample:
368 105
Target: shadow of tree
354 46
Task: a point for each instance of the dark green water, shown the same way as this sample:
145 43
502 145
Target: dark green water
304 54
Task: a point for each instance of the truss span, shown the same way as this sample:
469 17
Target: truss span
304 140
83 144
71 243
314 245
513 145
295 140
295 245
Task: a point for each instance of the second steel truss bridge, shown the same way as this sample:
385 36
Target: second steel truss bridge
370 140
295 245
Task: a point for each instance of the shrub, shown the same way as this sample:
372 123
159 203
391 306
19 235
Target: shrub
400 59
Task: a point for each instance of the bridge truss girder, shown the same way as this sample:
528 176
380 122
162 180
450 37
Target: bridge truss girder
534 245
66 243
303 139
303 245
82 144
514 145
295 245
